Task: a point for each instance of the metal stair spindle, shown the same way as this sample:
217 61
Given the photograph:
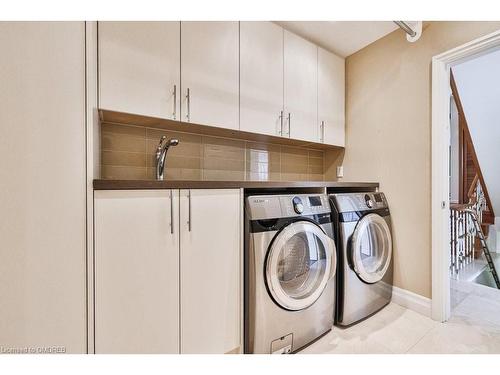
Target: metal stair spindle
484 245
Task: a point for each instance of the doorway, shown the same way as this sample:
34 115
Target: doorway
441 156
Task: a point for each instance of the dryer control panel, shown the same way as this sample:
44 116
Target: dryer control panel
359 201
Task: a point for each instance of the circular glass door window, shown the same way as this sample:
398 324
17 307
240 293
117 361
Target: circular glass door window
300 262
371 248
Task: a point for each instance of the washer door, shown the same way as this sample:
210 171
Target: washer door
371 246
301 260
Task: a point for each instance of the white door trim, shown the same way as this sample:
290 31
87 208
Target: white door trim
441 65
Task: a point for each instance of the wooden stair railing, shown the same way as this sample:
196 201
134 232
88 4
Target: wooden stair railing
476 195
469 169
470 193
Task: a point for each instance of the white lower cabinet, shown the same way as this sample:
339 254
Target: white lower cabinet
168 271
136 271
210 270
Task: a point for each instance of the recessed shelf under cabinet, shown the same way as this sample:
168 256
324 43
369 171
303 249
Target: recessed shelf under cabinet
114 117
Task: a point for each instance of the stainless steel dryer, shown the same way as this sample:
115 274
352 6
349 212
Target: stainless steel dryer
290 262
362 225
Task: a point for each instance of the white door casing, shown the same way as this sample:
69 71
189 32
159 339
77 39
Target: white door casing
440 163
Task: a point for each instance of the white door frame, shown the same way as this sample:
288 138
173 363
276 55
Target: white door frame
441 91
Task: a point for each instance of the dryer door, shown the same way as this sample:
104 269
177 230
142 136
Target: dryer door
299 264
371 246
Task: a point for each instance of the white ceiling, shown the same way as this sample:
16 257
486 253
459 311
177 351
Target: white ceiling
341 37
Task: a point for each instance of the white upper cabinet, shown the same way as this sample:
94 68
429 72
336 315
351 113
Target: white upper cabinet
139 68
331 98
301 90
136 271
261 77
210 73
211 284
252 76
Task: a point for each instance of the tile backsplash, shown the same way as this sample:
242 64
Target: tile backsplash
128 152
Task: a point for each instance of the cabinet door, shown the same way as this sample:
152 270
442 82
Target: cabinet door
301 91
42 188
331 96
210 73
261 77
139 68
136 272
211 305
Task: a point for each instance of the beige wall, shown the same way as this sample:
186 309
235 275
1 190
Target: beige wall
388 134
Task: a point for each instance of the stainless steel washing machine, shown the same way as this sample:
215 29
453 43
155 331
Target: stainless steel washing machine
290 263
362 227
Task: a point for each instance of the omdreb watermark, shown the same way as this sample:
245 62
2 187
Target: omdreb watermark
33 350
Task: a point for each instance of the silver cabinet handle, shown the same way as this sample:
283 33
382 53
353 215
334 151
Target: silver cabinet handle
188 103
189 208
174 113
289 119
171 213
280 131
322 128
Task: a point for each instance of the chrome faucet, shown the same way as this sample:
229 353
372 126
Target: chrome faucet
161 154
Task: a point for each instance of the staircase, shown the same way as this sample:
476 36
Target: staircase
484 245
468 239
471 218
472 187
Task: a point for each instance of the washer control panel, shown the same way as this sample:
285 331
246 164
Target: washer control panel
304 205
359 201
278 206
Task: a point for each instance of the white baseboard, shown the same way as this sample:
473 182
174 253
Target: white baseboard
411 301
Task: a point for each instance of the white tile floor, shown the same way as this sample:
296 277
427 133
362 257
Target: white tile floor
474 327
471 271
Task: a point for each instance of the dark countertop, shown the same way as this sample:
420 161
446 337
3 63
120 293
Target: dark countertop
184 184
